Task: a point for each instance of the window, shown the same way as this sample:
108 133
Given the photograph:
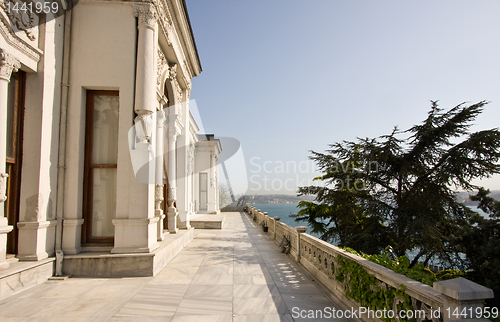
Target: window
101 154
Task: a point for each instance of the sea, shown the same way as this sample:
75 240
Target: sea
283 210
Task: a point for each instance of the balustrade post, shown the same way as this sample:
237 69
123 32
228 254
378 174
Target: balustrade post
275 220
300 230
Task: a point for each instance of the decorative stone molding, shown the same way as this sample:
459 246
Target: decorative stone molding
188 71
3 186
158 196
160 66
15 41
143 128
172 71
8 64
172 195
165 21
191 159
23 20
147 15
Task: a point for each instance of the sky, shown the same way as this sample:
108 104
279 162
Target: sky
285 77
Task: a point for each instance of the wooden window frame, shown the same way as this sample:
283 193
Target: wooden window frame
14 165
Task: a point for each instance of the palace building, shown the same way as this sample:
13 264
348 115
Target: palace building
104 164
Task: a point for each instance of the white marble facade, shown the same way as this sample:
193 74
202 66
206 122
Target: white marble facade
101 68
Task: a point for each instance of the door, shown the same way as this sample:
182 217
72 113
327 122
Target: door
15 121
101 155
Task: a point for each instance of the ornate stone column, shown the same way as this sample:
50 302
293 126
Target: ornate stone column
139 232
172 214
8 64
145 99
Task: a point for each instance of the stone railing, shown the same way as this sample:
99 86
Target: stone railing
322 261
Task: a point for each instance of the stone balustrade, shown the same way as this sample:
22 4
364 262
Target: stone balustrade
321 260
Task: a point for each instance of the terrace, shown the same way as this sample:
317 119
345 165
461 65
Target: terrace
236 273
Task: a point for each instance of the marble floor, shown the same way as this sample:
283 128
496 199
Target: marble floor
233 274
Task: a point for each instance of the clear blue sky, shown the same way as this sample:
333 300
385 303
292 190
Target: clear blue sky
285 77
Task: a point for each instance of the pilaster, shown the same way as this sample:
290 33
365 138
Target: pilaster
172 214
8 64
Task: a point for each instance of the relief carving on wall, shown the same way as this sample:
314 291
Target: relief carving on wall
23 19
165 20
162 62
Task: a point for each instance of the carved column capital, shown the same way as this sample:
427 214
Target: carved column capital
8 64
172 135
160 118
147 15
158 196
144 128
172 195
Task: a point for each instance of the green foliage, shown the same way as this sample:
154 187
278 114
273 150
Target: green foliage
448 274
400 265
480 241
366 290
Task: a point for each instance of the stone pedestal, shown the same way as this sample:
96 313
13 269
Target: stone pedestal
462 296
4 230
135 235
72 236
172 218
35 236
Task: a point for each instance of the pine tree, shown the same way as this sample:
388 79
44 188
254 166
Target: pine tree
398 190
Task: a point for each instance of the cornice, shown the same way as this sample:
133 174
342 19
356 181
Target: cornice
175 34
15 41
181 21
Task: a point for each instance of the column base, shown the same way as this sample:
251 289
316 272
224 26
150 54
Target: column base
161 216
172 216
4 230
34 238
72 236
135 235
184 225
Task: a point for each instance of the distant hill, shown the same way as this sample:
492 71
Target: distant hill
464 197
279 198
276 198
